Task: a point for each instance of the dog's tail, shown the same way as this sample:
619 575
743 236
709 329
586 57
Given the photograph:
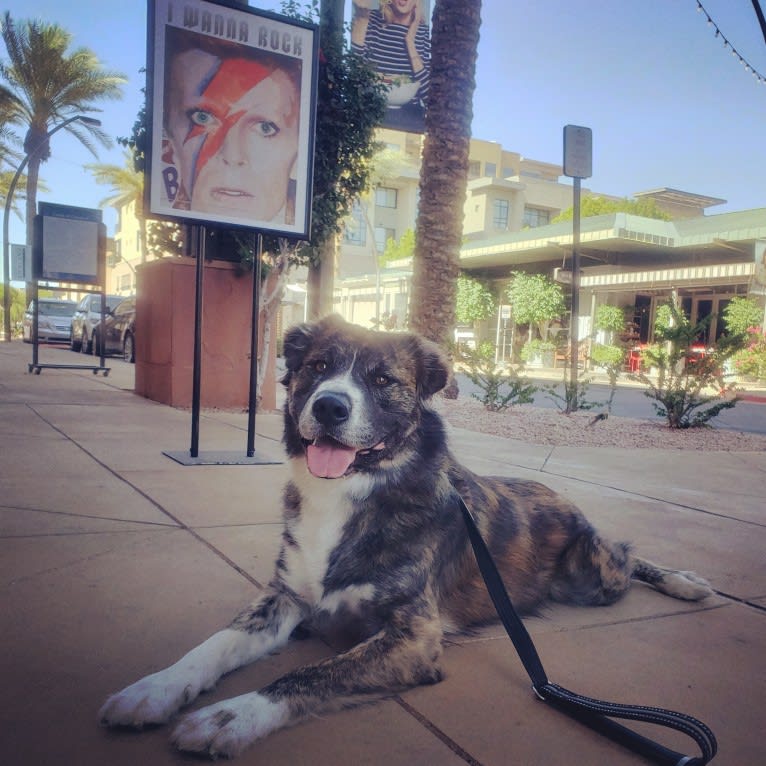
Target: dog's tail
685 585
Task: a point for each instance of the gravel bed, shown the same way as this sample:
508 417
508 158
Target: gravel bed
538 425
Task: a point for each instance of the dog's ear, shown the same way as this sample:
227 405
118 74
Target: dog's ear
435 367
296 342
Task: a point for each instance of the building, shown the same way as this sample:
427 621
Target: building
121 276
626 260
630 261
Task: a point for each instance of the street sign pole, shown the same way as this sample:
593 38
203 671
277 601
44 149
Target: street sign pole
578 164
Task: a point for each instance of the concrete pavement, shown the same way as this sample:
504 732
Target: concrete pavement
115 559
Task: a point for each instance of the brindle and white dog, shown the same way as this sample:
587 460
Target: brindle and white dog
374 547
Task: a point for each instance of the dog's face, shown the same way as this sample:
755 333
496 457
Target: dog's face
355 395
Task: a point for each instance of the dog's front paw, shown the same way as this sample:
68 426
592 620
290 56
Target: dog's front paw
152 700
227 728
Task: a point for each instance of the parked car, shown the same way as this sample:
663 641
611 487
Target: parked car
54 319
85 318
117 333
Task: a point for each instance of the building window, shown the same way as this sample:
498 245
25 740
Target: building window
382 235
490 169
508 172
535 216
385 197
500 210
474 169
355 231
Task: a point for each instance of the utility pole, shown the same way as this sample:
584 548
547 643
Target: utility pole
578 164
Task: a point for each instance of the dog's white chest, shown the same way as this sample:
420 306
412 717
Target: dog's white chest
326 506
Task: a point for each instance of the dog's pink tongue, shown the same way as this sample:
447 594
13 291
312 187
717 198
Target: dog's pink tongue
329 460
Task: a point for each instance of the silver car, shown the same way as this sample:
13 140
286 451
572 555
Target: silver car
86 317
54 321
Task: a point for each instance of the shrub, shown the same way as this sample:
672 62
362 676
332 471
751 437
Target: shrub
536 347
535 300
611 318
607 356
751 360
482 371
574 397
611 358
679 391
474 300
741 315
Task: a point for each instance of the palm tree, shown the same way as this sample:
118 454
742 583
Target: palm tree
444 171
127 187
43 85
9 153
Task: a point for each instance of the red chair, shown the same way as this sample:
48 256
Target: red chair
634 359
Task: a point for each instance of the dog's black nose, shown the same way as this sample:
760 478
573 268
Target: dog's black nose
330 409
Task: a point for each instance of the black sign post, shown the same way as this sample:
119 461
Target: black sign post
578 164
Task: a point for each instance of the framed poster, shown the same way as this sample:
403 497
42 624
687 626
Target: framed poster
231 94
395 39
69 244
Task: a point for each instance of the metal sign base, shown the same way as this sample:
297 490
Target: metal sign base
223 457
36 368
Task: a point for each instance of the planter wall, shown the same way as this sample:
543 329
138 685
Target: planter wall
165 335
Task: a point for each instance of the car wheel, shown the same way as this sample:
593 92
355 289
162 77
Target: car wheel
74 344
84 343
128 349
95 345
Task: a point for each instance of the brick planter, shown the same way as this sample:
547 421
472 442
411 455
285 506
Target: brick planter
165 335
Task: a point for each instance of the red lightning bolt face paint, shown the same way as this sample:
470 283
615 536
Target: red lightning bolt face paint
232 80
233 123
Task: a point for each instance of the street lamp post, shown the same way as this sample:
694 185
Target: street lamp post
8 200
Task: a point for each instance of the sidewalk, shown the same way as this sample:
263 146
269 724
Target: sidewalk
115 560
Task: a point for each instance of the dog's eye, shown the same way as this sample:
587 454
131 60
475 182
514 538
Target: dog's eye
320 366
379 379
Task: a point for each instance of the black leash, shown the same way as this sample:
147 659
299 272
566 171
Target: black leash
596 714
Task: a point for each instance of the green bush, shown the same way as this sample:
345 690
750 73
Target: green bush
679 390
611 318
751 360
607 356
741 315
501 389
474 300
536 347
574 396
535 300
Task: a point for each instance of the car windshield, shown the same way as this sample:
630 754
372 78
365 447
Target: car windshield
56 309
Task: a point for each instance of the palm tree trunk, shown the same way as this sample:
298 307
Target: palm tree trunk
444 172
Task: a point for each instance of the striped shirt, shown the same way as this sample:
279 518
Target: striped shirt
385 47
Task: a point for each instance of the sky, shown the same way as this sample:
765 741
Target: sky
668 104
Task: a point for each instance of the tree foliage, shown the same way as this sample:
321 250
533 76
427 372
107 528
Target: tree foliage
683 378
609 318
475 300
17 306
535 298
500 388
591 205
399 249
43 86
741 314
